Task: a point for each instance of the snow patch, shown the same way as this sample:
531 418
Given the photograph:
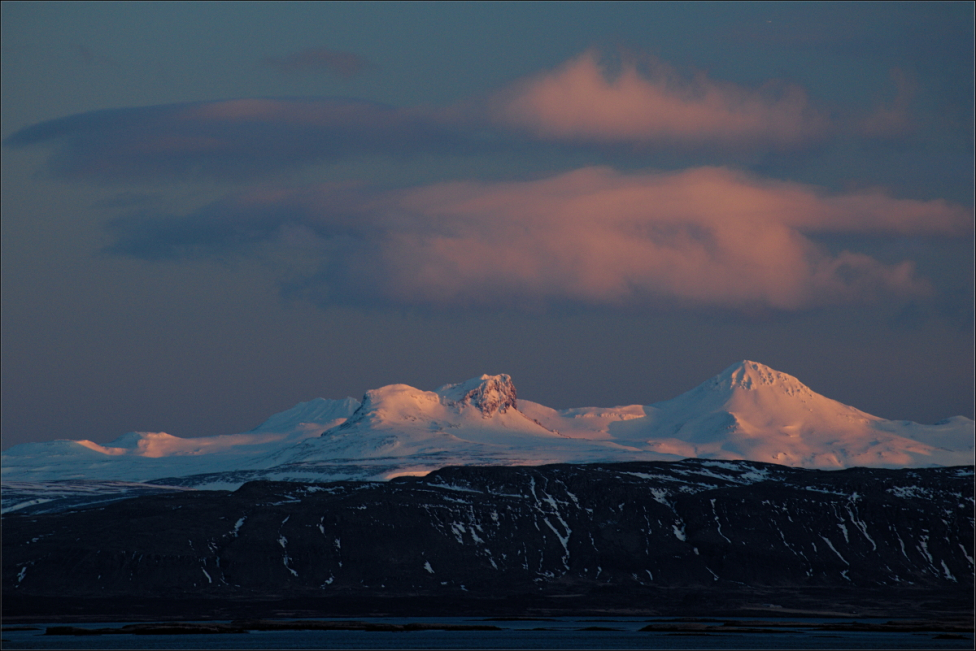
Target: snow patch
948 574
966 554
679 532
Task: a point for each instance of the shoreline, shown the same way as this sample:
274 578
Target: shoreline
946 629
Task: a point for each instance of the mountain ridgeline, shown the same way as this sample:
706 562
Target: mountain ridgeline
640 537
747 412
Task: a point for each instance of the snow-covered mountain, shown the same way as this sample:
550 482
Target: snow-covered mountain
749 411
146 456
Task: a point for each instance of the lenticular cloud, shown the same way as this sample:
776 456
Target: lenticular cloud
579 104
580 101
702 237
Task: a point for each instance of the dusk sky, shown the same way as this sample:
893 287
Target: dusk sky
212 212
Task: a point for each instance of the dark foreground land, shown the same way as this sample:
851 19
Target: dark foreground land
947 629
689 539
916 610
931 610
501 633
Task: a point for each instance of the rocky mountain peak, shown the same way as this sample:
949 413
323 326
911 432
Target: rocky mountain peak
489 393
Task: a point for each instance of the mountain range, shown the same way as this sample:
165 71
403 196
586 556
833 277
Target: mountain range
747 412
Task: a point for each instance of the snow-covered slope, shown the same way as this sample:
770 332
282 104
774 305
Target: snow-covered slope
749 411
145 456
400 430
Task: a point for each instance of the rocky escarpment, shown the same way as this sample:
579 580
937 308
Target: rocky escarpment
495 393
489 394
632 531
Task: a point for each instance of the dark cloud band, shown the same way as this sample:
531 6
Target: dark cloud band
234 139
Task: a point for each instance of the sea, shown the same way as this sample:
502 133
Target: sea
554 633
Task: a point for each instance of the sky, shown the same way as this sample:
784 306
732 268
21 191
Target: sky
214 211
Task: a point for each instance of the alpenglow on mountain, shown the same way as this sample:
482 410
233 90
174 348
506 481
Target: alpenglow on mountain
748 412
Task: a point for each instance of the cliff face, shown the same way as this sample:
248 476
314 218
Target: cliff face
614 529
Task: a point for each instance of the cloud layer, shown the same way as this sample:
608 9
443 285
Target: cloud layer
582 101
704 237
579 104
234 138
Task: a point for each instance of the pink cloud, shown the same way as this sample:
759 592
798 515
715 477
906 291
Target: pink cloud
703 237
706 237
581 102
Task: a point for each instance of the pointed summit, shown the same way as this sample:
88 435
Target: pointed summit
757 393
751 375
749 386
489 393
750 411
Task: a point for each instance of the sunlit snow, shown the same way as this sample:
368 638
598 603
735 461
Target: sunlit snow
748 411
